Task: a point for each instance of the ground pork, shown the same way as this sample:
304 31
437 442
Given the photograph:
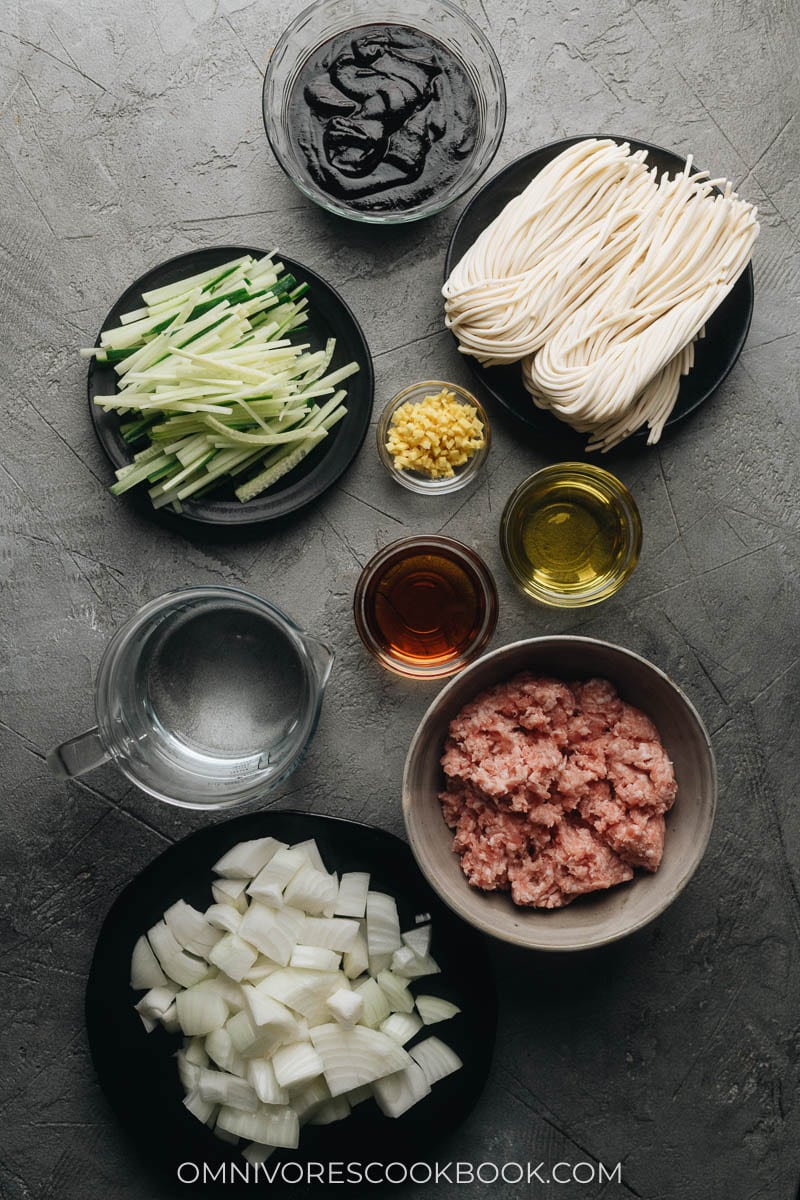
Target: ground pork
554 790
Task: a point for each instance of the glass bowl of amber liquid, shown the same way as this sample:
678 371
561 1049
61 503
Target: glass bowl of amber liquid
570 535
425 606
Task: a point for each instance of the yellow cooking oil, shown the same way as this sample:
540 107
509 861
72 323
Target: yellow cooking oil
571 534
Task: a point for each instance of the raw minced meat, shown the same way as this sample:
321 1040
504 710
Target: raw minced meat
554 789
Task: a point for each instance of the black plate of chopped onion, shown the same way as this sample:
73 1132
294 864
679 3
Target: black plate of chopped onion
138 1070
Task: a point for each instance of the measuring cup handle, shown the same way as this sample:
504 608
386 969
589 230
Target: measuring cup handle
322 657
78 755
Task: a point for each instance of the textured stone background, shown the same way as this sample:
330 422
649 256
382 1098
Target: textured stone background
130 132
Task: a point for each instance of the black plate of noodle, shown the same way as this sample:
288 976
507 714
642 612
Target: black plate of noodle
137 1070
328 317
715 354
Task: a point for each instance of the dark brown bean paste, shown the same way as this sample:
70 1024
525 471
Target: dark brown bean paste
384 117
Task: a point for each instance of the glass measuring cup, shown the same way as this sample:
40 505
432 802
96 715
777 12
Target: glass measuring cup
207 697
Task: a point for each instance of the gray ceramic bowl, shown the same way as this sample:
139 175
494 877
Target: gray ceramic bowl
604 916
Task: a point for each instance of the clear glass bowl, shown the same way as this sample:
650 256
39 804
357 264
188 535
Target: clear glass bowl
415 481
570 535
398 625
440 19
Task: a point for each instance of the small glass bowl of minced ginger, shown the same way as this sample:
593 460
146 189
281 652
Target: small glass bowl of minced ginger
433 437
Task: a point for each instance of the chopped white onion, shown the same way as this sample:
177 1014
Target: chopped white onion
145 971
233 956
396 992
436 1059
352 898
420 967
346 1006
257 1154
351 1057
378 963
401 958
230 892
248 858
268 885
311 890
200 1011
332 933
261 1074
156 1002
396 1094
315 958
202 1109
360 1094
306 1100
269 1014
221 1051
296 1064
292 992
376 1006
175 962
336 1109
218 1087
356 959
311 851
433 1009
169 1021
188 1072
418 940
191 930
305 992
272 931
401 1027
224 917
383 924
194 1052
262 968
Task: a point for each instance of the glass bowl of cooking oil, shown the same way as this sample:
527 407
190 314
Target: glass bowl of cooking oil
571 535
425 606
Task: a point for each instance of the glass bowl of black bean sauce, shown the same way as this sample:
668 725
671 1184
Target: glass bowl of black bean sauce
382 117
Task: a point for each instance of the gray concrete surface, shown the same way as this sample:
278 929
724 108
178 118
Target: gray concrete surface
130 132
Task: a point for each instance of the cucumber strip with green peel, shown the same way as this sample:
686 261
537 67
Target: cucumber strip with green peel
136 314
195 449
203 278
147 455
214 473
139 473
269 477
175 479
132 430
162 472
125 336
311 429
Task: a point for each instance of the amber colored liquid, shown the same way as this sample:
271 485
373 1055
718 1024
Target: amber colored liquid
425 609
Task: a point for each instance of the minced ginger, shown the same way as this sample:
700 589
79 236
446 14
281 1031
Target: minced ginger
434 435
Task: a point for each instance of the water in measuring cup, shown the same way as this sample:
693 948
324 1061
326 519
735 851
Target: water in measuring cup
221 685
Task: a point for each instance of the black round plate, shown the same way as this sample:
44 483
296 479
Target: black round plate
137 1070
715 354
329 316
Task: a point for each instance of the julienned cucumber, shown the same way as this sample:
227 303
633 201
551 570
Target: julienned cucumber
214 386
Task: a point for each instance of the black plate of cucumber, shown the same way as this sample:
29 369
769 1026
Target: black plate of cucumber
230 388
